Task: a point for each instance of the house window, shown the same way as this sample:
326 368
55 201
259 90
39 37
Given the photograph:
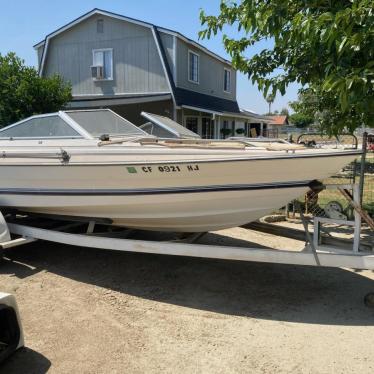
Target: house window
192 124
103 58
193 67
227 80
100 26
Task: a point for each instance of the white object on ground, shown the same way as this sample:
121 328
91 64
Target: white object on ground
4 231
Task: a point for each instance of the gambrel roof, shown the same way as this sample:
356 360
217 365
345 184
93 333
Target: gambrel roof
180 96
97 11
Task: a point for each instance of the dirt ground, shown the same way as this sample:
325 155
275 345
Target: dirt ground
93 311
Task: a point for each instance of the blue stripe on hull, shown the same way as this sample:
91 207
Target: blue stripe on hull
151 191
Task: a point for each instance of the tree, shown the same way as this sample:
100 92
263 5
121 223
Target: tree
305 109
270 100
284 112
23 93
322 108
327 46
301 120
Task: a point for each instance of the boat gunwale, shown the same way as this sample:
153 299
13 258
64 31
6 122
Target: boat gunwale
163 162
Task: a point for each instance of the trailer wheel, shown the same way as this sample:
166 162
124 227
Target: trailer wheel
369 300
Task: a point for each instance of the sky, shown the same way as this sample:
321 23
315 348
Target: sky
25 23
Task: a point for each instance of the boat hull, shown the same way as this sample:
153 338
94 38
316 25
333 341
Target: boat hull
166 196
187 212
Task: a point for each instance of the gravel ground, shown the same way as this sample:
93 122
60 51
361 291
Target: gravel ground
90 311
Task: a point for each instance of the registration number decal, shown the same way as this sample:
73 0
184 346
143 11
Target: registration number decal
163 169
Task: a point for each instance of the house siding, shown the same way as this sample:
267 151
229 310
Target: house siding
211 73
40 54
136 63
168 44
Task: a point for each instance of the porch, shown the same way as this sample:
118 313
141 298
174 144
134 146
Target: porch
220 125
209 124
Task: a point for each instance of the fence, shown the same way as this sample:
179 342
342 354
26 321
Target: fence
320 204
271 133
368 191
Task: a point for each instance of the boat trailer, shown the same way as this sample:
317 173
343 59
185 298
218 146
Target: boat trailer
18 229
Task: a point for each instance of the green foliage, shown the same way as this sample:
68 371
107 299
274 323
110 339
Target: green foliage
284 112
23 93
301 120
305 109
323 107
226 132
325 45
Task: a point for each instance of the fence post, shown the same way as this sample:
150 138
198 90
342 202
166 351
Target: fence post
363 164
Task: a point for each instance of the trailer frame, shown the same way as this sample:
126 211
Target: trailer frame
83 234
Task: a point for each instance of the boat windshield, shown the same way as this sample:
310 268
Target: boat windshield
103 121
40 127
74 124
164 127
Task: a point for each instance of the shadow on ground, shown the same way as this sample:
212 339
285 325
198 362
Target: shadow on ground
258 290
25 360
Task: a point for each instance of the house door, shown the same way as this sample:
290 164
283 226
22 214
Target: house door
207 128
255 130
204 126
192 123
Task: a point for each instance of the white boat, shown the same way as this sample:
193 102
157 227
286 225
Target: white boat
96 164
